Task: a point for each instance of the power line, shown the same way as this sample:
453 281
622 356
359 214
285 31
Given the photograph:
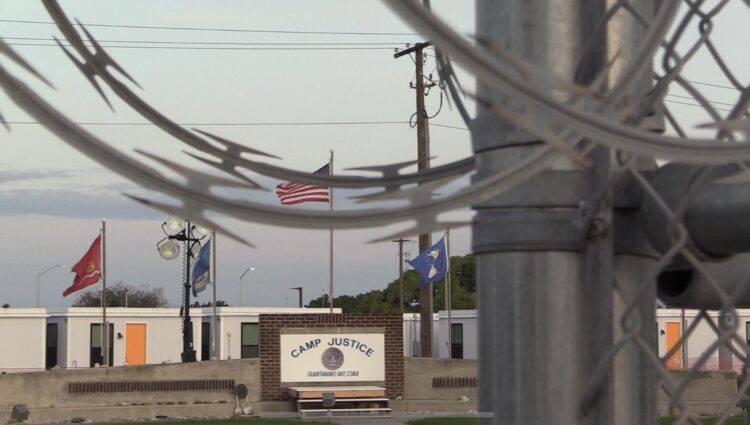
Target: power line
247 30
694 99
230 43
228 124
712 85
211 48
240 124
449 126
696 105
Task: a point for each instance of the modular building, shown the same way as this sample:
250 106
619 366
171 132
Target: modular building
464 338
462 342
23 335
37 339
137 336
671 323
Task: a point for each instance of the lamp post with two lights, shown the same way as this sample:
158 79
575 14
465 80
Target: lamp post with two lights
182 230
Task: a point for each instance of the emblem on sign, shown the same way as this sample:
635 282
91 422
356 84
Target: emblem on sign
332 358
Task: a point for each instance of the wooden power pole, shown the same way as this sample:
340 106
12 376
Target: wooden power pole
423 162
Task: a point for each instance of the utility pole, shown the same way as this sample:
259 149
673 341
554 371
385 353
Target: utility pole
400 242
423 163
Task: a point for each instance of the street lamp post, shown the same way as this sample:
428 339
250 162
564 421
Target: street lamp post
190 235
239 285
39 278
298 288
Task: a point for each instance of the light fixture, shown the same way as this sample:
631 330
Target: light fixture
168 249
195 249
174 223
201 230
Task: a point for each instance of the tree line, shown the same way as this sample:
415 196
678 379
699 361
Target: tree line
463 288
463 291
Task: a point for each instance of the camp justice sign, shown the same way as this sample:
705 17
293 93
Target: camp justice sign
332 357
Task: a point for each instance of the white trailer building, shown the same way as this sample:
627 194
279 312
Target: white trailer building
23 334
37 339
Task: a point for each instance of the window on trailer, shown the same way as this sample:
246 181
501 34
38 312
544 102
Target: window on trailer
457 340
205 341
51 346
250 341
96 354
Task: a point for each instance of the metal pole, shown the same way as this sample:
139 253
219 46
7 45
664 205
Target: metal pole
400 242
330 244
401 274
685 347
544 293
683 360
105 327
188 353
635 383
39 279
299 289
448 291
635 380
214 329
239 285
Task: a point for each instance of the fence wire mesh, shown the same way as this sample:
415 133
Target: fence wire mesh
691 46
699 44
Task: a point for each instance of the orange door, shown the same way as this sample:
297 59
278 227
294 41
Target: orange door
135 344
673 335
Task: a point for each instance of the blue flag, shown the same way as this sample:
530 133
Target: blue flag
202 269
431 263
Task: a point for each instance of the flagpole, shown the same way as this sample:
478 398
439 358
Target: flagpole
105 328
448 291
212 267
330 243
431 316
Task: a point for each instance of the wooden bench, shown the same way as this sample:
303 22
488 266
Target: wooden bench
360 401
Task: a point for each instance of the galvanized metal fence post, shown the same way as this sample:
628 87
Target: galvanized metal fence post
545 247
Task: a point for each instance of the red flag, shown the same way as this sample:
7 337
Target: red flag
89 269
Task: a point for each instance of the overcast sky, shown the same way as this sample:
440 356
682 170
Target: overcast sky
52 197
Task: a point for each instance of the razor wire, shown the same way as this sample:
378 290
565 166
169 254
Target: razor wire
591 116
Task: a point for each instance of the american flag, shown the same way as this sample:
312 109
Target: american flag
295 193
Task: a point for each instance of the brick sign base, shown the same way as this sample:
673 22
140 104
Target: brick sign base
270 324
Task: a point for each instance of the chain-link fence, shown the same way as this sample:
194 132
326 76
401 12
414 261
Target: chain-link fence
686 212
595 193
